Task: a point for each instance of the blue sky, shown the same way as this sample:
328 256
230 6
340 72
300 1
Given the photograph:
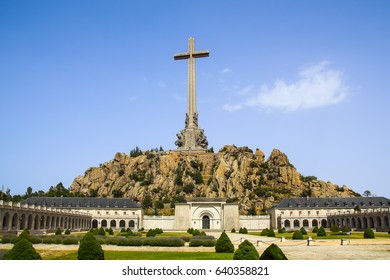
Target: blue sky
82 80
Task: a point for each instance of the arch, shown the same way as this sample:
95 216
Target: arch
359 223
94 223
386 221
47 222
53 220
205 222
104 223
378 222
22 222
5 221
296 224
131 224
305 223
314 223
30 221
15 219
353 223
324 223
112 224
36 222
122 224
287 223
371 222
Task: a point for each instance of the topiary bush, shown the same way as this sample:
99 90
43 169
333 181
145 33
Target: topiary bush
282 230
233 230
196 232
271 233
321 232
335 228
345 229
190 230
246 251
70 241
151 233
297 235
67 231
58 231
22 250
303 231
264 232
164 242
130 242
90 248
243 230
101 231
368 233
224 245
110 231
273 252
315 229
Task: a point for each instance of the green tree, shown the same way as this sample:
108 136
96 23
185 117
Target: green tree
90 248
271 233
147 202
58 231
303 231
273 252
224 245
246 251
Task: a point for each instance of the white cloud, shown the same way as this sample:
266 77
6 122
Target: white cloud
317 86
226 70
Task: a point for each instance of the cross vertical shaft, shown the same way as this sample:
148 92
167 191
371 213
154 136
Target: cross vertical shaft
192 137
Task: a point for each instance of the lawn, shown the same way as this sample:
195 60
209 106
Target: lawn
127 255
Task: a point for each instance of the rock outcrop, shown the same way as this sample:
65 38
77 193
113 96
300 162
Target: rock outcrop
239 174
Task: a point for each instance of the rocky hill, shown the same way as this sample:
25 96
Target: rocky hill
158 179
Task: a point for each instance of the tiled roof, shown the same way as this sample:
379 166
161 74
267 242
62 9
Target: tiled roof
82 202
334 202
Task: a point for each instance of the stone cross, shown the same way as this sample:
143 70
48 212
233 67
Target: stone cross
192 138
191 55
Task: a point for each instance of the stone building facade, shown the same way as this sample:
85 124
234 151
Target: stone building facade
355 212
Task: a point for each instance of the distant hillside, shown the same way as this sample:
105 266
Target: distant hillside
239 174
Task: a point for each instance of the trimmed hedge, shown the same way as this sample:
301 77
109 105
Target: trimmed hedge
164 242
321 232
130 242
297 235
202 242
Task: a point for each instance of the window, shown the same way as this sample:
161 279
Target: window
107 213
318 212
133 213
124 213
308 213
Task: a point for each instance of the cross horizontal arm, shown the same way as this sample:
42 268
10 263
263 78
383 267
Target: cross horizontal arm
187 55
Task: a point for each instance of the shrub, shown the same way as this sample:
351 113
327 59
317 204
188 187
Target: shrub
130 242
303 231
67 231
335 228
48 240
273 252
58 231
190 230
129 233
110 231
101 232
8 239
24 234
345 229
243 230
282 230
90 248
22 250
224 245
196 232
246 251
264 232
297 235
158 230
368 233
123 230
164 242
70 241
151 233
233 230
36 240
271 233
202 242
315 229
321 232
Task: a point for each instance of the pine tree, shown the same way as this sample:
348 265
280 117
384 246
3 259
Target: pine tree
224 245
90 248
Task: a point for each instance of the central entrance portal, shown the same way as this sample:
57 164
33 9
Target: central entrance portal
206 222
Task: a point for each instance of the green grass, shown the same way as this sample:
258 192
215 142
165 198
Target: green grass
134 255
